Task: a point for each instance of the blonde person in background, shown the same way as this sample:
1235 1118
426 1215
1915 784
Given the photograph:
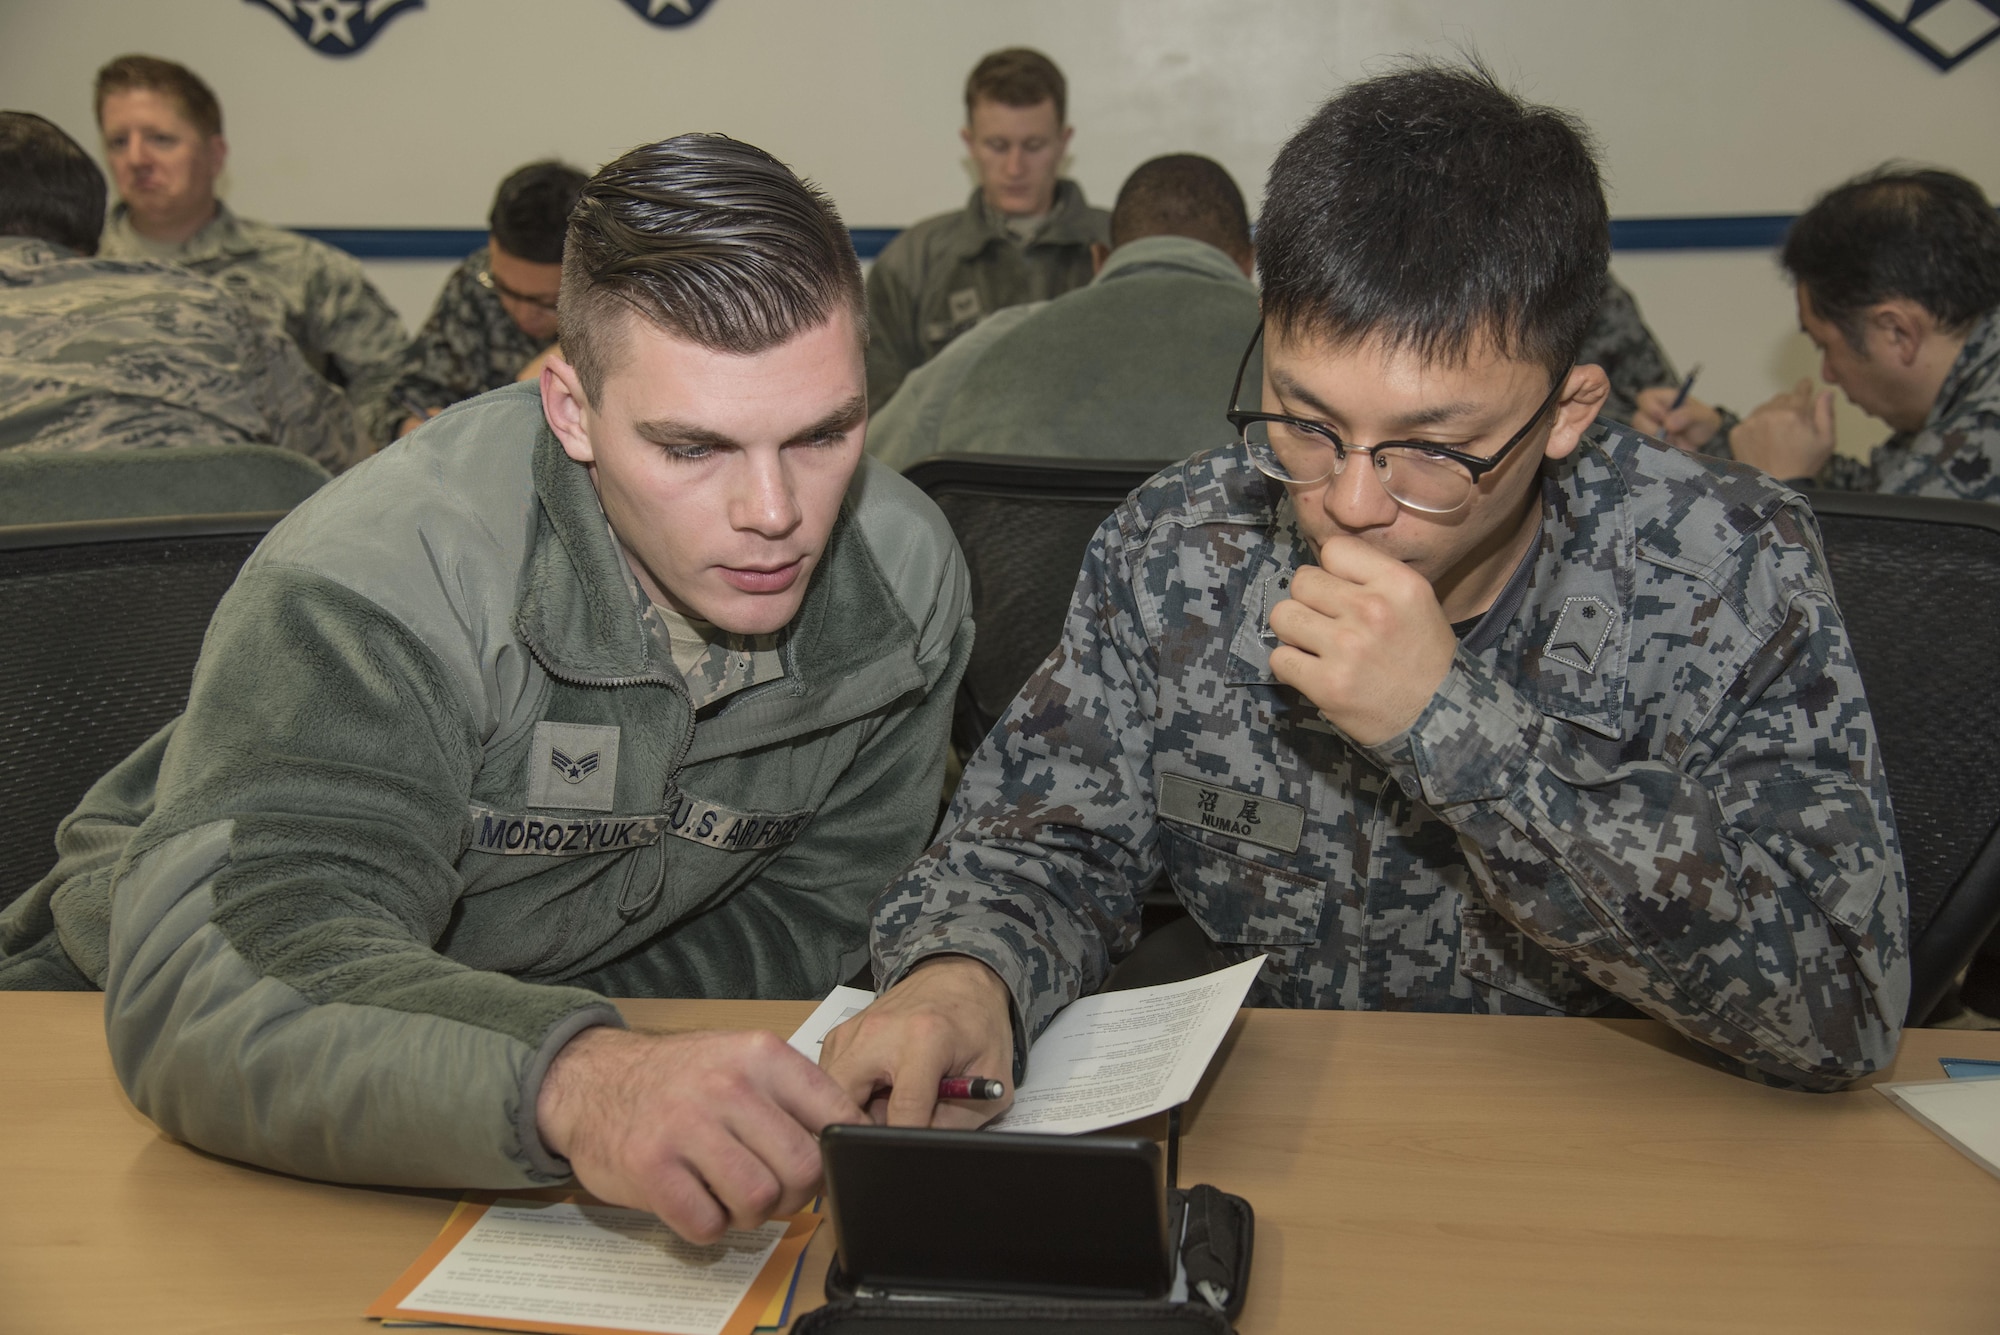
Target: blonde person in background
1024 235
162 129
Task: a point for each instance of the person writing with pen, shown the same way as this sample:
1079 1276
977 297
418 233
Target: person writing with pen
1430 687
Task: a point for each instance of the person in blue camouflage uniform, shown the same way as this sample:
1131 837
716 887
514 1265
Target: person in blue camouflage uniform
1898 283
1531 715
99 354
1620 342
495 321
163 141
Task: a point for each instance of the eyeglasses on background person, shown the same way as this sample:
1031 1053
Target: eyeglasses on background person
486 280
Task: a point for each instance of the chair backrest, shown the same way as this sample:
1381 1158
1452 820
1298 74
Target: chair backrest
1024 524
100 626
63 487
1918 582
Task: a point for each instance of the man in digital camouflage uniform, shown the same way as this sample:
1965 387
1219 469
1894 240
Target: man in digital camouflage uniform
1496 709
1024 235
496 317
1898 280
1633 361
100 354
162 132
635 686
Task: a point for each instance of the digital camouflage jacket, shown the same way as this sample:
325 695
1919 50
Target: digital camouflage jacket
100 354
1619 341
468 346
1656 784
1956 454
946 274
315 295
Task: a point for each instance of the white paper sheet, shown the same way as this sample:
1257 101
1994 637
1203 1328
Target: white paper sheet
596 1266
1106 1060
1965 1112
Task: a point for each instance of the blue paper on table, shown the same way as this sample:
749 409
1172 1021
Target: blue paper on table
1969 1068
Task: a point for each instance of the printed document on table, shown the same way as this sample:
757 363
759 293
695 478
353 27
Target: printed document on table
1965 1112
1105 1060
580 1266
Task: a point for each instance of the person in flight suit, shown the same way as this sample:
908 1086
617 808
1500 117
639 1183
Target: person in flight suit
632 682
1024 235
1434 691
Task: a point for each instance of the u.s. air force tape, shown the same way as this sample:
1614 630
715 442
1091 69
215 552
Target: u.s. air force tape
686 817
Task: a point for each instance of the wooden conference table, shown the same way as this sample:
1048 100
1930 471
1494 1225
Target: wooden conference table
1426 1173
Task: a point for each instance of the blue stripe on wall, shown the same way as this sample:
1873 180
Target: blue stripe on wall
1756 231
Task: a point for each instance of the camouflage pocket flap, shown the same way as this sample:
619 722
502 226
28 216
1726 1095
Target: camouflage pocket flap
1495 954
1238 900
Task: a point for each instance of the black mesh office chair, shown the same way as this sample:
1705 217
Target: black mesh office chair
1919 588
100 626
1024 524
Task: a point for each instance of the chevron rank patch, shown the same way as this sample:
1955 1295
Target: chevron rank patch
1581 629
573 766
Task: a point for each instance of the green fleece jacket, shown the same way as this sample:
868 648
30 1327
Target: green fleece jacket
437 791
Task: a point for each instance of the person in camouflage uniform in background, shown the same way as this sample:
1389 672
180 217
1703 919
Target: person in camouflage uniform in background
496 317
1024 235
1572 729
102 354
162 132
1620 342
1898 284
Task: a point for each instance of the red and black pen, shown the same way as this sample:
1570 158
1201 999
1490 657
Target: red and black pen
970 1087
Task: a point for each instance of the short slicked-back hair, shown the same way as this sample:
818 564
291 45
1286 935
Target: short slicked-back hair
1433 210
179 82
1182 194
531 210
1898 231
1019 76
709 239
49 187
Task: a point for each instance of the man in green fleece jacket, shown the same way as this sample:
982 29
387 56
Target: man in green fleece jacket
638 684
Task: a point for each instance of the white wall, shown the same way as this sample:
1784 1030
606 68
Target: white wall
1703 107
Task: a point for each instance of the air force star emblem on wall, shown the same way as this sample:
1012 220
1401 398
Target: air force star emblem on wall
337 27
1943 32
574 771
668 13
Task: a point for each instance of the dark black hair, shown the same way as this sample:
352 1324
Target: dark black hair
708 238
1182 194
1898 231
531 210
1431 208
49 187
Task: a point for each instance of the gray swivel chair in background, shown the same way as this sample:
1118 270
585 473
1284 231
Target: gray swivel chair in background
61 487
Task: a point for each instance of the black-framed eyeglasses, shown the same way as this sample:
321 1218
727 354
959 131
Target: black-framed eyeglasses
1435 479
486 280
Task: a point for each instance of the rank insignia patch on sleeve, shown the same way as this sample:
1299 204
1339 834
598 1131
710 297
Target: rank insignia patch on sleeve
573 765
1581 630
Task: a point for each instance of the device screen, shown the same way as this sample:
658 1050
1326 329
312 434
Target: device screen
978 1211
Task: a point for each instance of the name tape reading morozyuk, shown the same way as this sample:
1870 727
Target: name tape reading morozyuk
517 834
